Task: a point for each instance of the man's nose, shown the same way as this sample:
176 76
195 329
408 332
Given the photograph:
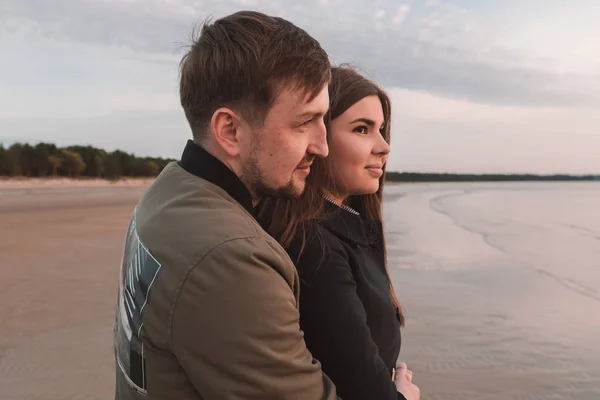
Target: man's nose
318 145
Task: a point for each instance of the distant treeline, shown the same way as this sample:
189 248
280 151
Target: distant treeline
46 159
440 177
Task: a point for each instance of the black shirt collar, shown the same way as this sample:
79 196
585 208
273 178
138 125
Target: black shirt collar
201 163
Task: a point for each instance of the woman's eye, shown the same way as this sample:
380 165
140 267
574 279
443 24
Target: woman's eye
361 129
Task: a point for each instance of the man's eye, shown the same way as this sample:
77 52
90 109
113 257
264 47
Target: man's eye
305 124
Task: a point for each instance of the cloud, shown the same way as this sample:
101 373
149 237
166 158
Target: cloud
61 80
447 48
436 134
379 14
514 85
152 133
148 26
401 14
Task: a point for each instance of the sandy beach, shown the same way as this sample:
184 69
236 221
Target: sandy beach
59 258
482 323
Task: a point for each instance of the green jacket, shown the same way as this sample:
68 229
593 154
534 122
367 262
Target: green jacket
208 302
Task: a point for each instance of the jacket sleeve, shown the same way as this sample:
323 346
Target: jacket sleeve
335 324
236 331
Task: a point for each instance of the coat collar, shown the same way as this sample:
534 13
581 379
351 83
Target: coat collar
345 224
201 163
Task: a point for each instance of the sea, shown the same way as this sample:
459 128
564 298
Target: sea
500 285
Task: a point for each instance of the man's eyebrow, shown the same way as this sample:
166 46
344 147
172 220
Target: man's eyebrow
312 114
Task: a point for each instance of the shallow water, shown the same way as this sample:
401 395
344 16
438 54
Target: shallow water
501 286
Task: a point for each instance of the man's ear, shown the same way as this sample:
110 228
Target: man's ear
224 126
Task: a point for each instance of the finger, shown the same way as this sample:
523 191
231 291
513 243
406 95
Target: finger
400 371
401 367
409 375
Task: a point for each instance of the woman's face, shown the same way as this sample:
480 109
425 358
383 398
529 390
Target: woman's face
357 149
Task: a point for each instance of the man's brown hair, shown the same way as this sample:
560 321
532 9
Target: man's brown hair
242 61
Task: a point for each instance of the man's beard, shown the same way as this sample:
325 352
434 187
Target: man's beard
258 186
256 182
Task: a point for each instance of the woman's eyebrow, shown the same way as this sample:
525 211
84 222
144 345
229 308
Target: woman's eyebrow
367 121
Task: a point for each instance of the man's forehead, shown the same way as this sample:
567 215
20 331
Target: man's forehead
302 99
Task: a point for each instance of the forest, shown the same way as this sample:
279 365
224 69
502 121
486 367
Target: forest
49 160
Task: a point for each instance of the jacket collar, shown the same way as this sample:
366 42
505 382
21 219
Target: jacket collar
345 224
201 163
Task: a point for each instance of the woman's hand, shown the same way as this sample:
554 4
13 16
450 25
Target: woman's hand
402 377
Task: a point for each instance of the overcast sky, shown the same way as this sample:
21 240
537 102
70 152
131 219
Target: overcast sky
476 85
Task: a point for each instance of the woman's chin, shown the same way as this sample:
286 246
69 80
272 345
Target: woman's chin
366 189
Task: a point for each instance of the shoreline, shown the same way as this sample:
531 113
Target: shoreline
63 182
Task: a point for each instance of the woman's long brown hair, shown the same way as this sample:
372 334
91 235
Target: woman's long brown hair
288 217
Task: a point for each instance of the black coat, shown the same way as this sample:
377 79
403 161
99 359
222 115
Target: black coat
346 312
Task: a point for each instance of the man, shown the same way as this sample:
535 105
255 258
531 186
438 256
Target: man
207 303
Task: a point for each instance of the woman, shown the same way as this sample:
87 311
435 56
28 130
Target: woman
348 309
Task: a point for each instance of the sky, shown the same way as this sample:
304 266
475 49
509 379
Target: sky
477 86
